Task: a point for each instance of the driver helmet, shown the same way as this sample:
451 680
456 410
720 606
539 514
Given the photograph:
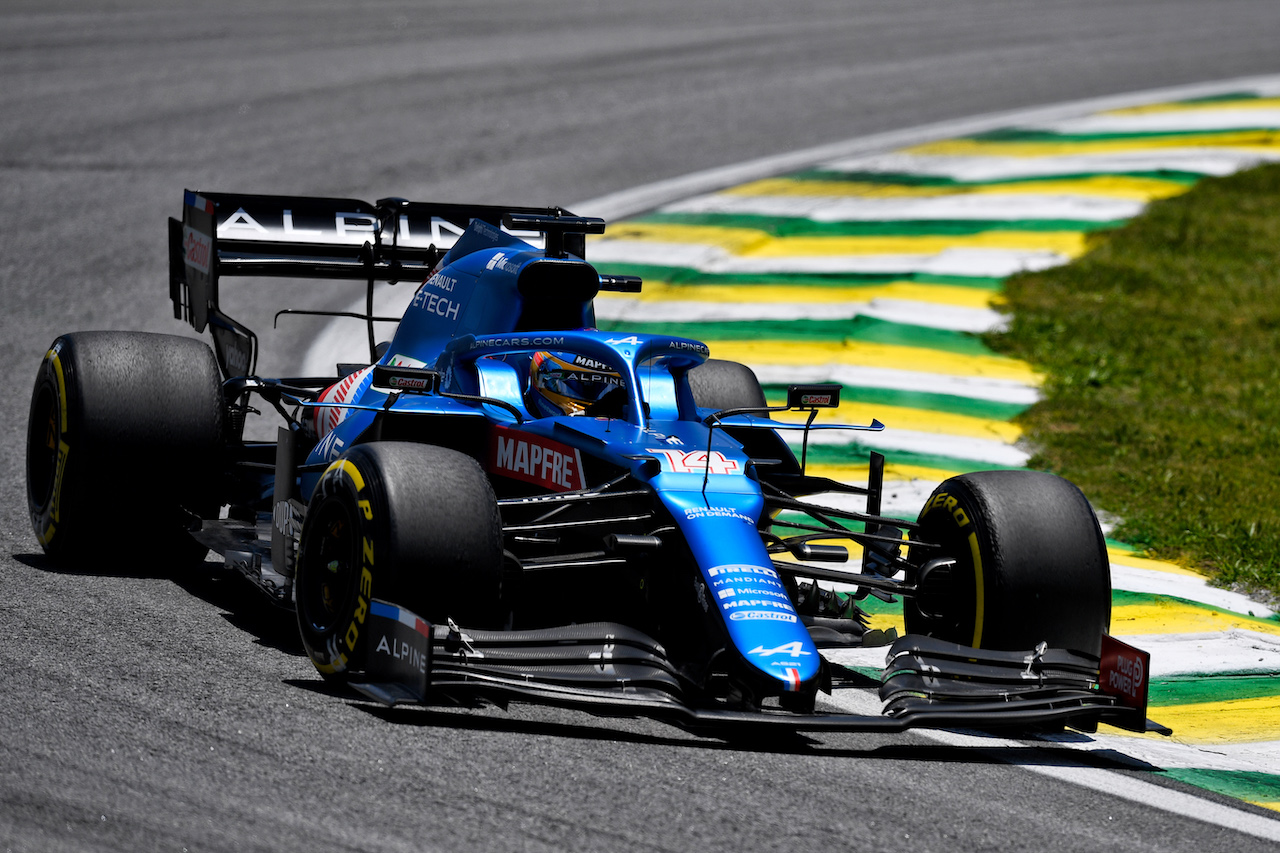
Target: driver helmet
567 384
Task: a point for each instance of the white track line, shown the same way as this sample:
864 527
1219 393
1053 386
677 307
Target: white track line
1053 759
1121 785
651 196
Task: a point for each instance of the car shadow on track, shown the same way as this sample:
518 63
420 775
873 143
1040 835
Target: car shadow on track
888 747
105 568
243 606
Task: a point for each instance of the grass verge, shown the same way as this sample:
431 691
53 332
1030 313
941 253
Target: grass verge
1162 396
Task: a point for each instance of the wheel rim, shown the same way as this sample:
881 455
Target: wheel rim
43 436
944 606
332 569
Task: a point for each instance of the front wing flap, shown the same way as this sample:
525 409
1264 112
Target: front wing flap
611 669
930 682
602 665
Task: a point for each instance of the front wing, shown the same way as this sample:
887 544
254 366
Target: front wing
611 669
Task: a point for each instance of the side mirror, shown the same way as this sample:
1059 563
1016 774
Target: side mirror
821 396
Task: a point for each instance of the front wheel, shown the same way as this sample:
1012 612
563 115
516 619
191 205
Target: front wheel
409 523
1030 564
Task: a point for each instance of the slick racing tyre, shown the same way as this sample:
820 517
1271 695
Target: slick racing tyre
123 441
1030 564
719 385
412 524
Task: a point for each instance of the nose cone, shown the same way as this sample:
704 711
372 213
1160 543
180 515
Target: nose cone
741 585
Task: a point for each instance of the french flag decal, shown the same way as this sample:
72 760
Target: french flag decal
792 683
404 617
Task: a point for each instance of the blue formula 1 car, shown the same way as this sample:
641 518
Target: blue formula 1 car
506 503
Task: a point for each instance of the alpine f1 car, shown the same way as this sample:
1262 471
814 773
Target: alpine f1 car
506 503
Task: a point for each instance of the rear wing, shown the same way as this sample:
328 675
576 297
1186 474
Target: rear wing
226 234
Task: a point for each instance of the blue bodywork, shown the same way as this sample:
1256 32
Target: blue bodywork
628 564
491 281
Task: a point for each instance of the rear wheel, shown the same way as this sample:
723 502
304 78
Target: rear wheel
125 433
409 523
1030 564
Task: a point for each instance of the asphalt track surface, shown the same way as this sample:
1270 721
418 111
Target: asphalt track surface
141 709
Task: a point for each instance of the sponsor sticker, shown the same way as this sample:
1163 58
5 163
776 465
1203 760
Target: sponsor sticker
1122 672
754 591
740 569
403 648
761 615
434 303
690 346
412 383
823 395
405 378
330 447
757 603
518 342
591 363
501 263
196 248
440 281
717 512
534 459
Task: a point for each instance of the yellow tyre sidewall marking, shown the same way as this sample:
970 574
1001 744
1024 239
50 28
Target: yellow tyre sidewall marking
979 596
51 516
345 468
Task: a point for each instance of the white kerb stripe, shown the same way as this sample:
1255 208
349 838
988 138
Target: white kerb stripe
1234 118
1059 764
1137 579
974 387
908 312
1202 161
985 263
960 206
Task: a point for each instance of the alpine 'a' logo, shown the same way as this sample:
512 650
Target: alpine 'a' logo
794 649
